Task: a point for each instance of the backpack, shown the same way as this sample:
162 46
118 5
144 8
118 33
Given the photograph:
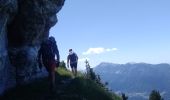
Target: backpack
47 50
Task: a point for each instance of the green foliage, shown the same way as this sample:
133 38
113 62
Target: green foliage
67 88
155 95
62 65
64 72
90 74
87 89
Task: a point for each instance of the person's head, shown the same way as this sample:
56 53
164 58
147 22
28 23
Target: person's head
70 51
52 39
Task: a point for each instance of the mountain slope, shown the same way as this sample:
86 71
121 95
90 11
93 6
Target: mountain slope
136 79
68 88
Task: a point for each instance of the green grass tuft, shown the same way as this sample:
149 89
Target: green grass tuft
68 88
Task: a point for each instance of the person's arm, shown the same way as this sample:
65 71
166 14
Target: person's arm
57 53
76 57
68 61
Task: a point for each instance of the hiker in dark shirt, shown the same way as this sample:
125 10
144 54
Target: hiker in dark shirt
72 60
46 55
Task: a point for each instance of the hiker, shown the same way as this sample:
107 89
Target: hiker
46 55
72 60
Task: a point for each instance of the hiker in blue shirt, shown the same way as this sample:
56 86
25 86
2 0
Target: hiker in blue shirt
72 60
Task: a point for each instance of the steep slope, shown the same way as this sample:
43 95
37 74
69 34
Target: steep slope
68 88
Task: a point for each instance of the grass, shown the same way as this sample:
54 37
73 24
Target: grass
67 88
86 89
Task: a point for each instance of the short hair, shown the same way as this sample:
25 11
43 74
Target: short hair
70 50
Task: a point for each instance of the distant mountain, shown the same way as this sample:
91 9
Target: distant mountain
136 79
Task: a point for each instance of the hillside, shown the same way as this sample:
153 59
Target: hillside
136 79
68 88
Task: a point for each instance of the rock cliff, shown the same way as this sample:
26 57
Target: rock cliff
23 26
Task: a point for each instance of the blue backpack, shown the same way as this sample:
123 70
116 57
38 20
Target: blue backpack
47 50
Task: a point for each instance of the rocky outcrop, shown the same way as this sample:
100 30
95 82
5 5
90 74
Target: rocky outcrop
24 24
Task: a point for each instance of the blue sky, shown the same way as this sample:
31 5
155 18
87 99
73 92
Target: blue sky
117 31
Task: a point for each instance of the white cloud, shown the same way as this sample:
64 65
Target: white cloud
94 51
98 50
112 49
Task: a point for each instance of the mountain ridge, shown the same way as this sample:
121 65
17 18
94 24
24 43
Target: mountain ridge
136 78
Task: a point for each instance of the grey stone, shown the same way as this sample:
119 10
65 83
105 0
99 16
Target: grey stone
24 24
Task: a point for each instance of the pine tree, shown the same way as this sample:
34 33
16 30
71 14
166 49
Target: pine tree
155 95
90 74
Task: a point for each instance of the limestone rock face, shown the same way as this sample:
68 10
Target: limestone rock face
8 8
24 24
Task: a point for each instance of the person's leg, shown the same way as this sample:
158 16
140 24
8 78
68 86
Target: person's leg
50 66
75 69
72 68
50 80
53 79
47 66
53 65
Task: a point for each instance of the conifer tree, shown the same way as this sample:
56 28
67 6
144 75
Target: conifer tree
90 74
155 95
62 64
